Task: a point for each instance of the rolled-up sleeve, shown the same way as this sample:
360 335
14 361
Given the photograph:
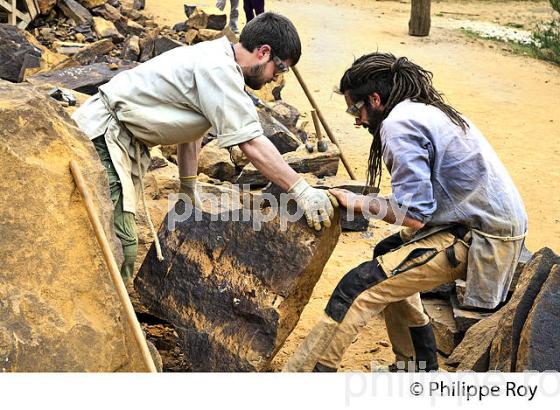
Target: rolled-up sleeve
406 154
223 101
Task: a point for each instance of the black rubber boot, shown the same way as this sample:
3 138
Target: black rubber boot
321 368
424 343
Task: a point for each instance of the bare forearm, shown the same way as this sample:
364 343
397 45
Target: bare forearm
187 158
389 212
266 158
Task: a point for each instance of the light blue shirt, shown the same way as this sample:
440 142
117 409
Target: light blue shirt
447 176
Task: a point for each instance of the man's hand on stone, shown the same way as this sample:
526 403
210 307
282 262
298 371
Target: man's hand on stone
317 204
350 200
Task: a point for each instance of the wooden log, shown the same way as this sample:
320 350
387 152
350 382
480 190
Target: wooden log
15 17
32 8
420 21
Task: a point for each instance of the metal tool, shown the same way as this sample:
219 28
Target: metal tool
322 145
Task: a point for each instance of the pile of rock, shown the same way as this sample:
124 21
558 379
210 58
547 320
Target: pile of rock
67 25
520 335
81 44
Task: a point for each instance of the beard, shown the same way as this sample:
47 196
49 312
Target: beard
254 76
375 118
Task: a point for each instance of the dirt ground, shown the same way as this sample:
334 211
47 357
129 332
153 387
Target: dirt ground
513 99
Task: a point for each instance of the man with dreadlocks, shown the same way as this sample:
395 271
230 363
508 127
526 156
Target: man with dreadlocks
462 215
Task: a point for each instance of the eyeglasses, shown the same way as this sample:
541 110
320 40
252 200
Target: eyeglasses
354 109
283 68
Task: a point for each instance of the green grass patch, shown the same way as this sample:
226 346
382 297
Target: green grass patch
515 48
547 42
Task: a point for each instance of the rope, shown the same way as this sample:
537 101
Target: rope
501 238
148 217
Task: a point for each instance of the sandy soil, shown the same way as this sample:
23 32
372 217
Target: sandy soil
514 100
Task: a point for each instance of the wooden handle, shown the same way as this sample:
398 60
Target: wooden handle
113 268
324 122
317 126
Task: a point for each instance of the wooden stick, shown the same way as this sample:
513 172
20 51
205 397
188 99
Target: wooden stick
113 268
318 132
324 122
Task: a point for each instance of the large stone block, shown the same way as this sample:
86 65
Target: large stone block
17 54
22 55
85 79
88 54
539 343
473 353
45 6
448 336
207 18
59 310
106 29
320 164
506 342
277 133
233 293
287 114
216 162
465 318
349 221
90 4
75 11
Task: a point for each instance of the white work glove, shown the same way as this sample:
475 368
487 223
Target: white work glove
221 4
317 204
188 187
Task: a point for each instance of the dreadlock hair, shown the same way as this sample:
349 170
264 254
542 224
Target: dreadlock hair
395 80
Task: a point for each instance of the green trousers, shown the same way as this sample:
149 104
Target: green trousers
125 225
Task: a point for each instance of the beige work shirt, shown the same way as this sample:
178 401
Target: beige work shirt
171 99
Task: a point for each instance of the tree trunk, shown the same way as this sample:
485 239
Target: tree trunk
419 24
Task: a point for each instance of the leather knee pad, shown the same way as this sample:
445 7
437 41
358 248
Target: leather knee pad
350 286
387 245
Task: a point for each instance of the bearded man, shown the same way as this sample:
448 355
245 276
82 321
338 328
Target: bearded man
462 215
175 98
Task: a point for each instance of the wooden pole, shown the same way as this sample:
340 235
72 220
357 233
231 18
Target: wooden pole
324 122
318 132
420 22
113 268
13 15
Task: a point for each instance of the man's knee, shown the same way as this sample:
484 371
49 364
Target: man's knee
351 285
387 245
